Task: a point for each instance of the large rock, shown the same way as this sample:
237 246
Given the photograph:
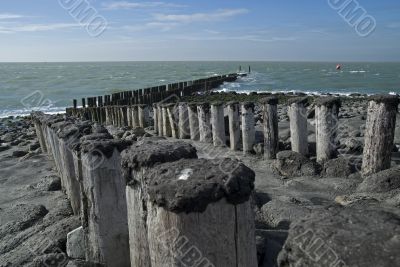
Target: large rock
76 244
381 182
293 164
279 214
344 237
339 167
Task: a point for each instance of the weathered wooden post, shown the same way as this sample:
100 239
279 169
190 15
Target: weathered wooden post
270 118
203 111
379 133
129 116
218 124
36 118
173 119
326 124
155 118
184 129
248 127
135 116
193 121
143 111
192 223
234 124
160 119
297 113
167 132
136 162
106 228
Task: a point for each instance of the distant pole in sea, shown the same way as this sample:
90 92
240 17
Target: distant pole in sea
249 69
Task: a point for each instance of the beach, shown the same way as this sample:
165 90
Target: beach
293 195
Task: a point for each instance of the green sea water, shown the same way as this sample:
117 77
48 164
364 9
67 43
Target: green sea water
52 86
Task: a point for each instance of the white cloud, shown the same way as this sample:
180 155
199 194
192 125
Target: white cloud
137 5
201 17
10 16
162 26
36 27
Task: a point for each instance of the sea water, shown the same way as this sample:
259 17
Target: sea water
52 86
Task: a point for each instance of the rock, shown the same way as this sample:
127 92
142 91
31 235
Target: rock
76 244
34 146
50 260
293 164
339 167
353 145
279 214
8 137
4 148
344 236
269 244
259 149
16 142
381 182
19 153
138 132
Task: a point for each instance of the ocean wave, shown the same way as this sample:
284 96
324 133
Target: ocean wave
357 71
25 112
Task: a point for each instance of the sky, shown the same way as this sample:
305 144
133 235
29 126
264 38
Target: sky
265 30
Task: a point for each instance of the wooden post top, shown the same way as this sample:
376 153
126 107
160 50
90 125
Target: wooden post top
297 100
147 153
102 144
328 101
391 100
271 100
189 185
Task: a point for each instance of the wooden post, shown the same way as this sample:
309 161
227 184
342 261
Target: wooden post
379 133
75 102
203 111
218 124
184 129
248 127
234 125
155 118
204 226
270 117
167 132
83 103
143 111
136 162
160 120
326 124
106 224
193 121
297 112
173 119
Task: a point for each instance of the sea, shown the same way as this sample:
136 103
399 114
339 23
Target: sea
51 87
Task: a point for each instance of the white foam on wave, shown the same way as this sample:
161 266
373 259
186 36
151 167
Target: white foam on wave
357 71
26 112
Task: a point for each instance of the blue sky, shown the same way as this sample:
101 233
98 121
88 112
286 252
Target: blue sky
289 30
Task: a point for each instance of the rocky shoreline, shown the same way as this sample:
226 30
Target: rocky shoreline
306 213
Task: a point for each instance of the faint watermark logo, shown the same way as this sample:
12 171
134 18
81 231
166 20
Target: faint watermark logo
86 15
316 248
355 15
36 101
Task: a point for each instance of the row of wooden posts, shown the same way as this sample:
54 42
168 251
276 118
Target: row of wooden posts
138 203
205 122
157 93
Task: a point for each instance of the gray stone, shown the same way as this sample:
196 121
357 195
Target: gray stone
381 182
279 214
293 164
259 149
4 148
76 244
342 236
19 153
34 146
339 167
